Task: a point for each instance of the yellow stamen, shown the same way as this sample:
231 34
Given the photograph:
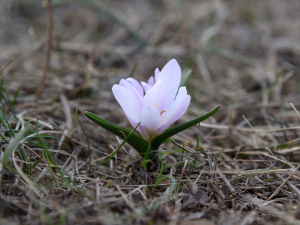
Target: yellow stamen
156 104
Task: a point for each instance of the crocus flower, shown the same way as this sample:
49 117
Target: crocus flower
156 104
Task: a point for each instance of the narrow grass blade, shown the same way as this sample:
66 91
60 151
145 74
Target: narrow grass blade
12 146
37 162
159 176
133 70
22 154
15 98
120 146
158 181
87 140
146 156
44 145
164 198
186 77
7 103
198 143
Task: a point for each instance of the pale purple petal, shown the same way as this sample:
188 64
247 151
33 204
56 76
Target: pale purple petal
128 102
150 118
175 110
142 130
171 110
155 96
126 84
176 116
170 76
146 86
136 85
151 81
156 74
159 107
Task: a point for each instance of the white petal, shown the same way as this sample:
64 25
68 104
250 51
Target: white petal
155 96
146 86
128 102
170 76
181 96
136 85
150 118
156 74
175 110
126 84
151 81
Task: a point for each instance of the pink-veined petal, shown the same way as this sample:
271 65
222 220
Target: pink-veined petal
136 85
146 86
128 102
150 118
133 90
155 96
170 76
176 110
151 81
156 74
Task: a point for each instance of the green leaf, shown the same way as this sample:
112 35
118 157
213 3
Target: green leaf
174 130
134 140
146 156
12 146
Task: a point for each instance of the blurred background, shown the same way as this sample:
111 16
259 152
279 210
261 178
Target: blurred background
244 55
241 52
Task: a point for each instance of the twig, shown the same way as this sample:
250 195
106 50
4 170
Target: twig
127 200
231 188
286 217
68 117
291 185
8 67
48 6
295 110
253 127
98 195
6 64
283 183
191 151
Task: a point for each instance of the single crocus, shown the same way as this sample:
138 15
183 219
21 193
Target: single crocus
156 104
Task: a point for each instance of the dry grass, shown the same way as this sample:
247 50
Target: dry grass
244 55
